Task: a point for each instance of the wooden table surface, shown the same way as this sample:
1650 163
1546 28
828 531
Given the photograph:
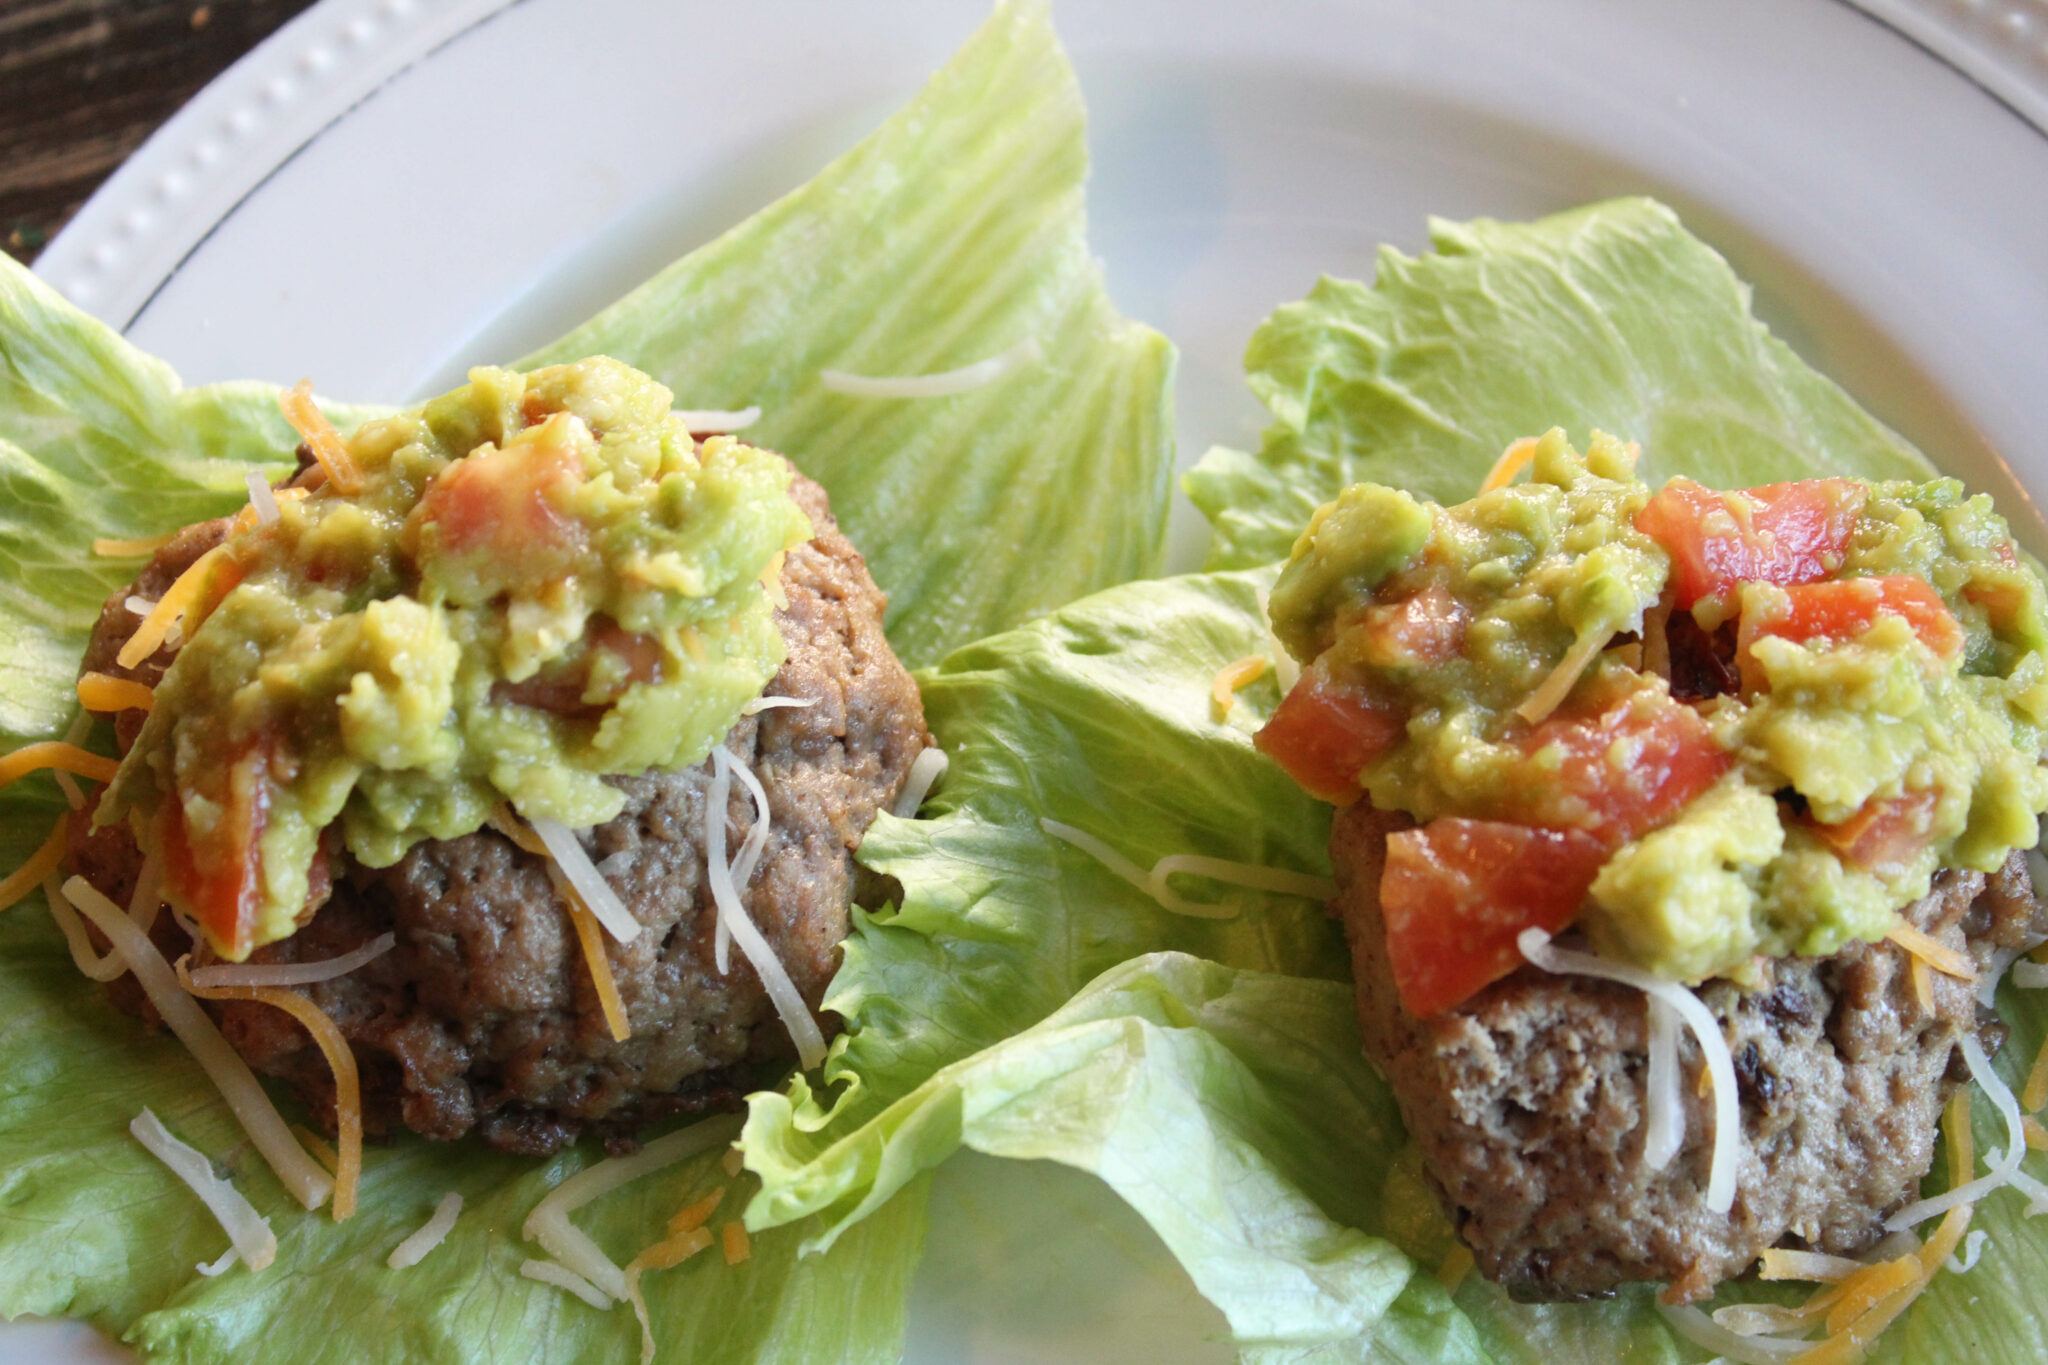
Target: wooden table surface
84 82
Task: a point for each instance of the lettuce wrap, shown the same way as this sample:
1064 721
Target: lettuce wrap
1024 1001
953 232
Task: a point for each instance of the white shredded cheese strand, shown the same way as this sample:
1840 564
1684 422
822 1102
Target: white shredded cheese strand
718 421
261 498
140 605
549 1222
1973 1247
1153 882
293 973
1536 947
782 992
88 962
251 1234
1286 671
717 797
925 771
431 1234
1664 1129
81 726
1250 875
561 1277
597 894
1704 1332
2034 1190
757 835
760 704
304 1177
1025 352
2030 976
2004 1166
227 1260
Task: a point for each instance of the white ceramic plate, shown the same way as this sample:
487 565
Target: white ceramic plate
390 190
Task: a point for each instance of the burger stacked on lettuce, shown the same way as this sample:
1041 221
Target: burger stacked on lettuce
559 721
1775 753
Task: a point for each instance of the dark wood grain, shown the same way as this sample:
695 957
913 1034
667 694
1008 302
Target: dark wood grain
84 82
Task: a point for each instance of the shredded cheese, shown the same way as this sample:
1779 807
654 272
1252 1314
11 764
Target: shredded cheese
348 1091
1933 952
718 421
320 437
250 1233
1923 984
111 548
597 895
967 377
88 962
1551 692
81 726
1962 1139
2034 1096
760 704
1455 1268
1778 1263
293 973
591 938
262 501
1869 1287
1153 882
782 992
2004 1165
40 865
1286 672
2030 976
663 1255
431 1234
55 753
317 1145
1512 461
549 1222
105 692
1720 1192
1973 1249
733 1162
737 1247
925 771
299 1173
1238 673
1664 1124
173 608
1703 1331
2037 1133
561 1277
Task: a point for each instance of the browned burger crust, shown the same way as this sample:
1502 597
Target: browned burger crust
484 1018
1527 1100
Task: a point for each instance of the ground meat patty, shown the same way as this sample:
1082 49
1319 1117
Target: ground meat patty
484 1018
1528 1099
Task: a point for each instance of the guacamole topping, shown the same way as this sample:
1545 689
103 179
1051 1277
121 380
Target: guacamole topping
539 580
1701 725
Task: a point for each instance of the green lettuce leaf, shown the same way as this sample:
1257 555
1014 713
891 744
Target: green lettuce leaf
953 233
1611 317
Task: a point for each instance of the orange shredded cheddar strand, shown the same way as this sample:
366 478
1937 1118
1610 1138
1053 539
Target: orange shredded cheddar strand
2035 1096
1512 461
696 1215
1238 673
2036 1131
40 864
1933 952
1962 1142
320 437
317 1145
1923 984
737 1247
170 609
1865 1291
348 1092
1780 1263
105 692
1455 1268
517 830
124 549
670 1251
590 934
53 753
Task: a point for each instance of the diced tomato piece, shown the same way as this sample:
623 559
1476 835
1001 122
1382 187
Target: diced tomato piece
1781 533
505 508
1456 892
1884 834
1425 628
1845 608
218 879
1324 733
1629 769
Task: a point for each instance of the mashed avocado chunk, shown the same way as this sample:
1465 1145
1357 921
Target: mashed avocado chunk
1778 710
543 579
